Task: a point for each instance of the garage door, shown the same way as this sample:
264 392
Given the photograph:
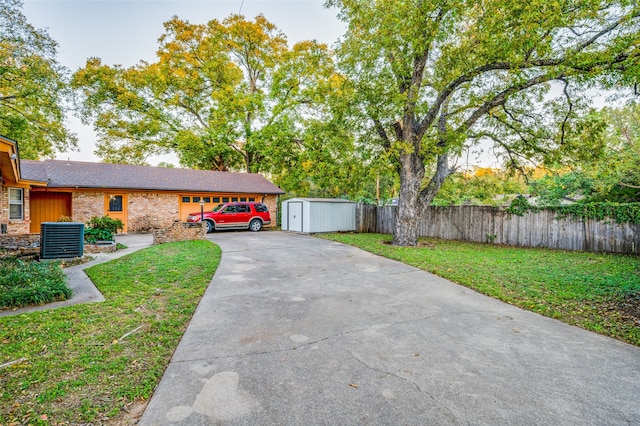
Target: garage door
190 203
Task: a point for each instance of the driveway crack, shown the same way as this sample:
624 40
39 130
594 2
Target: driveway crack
323 339
407 380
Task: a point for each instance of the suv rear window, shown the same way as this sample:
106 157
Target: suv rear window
261 208
244 208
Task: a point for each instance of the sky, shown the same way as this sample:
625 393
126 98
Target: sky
124 32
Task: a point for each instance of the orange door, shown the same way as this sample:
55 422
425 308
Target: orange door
115 206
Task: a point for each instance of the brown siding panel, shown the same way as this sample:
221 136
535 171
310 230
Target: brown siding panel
48 207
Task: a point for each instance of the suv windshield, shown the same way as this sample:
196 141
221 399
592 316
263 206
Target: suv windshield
218 208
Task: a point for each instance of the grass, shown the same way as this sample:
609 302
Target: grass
595 291
31 283
89 363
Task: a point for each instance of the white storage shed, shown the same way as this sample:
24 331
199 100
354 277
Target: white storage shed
318 215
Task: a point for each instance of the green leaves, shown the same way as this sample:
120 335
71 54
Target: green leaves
31 283
429 77
604 168
34 94
217 96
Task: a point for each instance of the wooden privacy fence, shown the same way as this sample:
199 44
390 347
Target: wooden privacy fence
490 224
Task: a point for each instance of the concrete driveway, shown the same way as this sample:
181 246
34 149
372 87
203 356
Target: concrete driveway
296 330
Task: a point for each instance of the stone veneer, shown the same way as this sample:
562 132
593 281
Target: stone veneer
179 231
19 245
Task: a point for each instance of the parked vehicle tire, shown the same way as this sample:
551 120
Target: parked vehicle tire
255 225
210 226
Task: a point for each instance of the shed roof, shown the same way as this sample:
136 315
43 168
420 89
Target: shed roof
321 200
77 174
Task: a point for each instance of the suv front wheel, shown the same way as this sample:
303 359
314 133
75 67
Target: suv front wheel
210 226
255 225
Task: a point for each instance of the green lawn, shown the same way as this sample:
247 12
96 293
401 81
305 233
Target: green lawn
599 292
89 363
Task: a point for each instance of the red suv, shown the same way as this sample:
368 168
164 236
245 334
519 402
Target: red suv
234 216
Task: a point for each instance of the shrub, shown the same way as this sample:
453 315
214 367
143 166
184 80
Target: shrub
31 283
101 229
620 212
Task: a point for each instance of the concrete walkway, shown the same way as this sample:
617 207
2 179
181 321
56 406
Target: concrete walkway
83 289
297 330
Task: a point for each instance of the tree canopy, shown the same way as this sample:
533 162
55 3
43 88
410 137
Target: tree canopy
34 93
618 176
614 177
429 76
224 95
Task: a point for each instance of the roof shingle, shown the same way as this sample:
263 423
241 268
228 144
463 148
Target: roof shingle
76 174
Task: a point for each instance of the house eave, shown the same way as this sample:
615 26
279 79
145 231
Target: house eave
9 160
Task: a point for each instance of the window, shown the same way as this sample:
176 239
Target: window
251 199
15 203
186 199
234 199
115 203
225 199
207 199
243 199
244 208
216 199
230 209
196 199
261 207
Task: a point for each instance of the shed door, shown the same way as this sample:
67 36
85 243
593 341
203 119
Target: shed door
294 216
48 207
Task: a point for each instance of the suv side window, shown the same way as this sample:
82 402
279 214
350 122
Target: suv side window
261 208
244 208
230 209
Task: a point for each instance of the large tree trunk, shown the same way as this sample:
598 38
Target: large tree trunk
411 171
413 200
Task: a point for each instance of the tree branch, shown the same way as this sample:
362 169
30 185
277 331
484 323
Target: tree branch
381 132
566 117
501 98
628 185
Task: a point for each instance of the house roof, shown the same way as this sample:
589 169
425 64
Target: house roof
76 174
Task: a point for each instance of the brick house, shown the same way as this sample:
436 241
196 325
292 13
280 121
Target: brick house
143 197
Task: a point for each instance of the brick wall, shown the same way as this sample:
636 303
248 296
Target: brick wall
85 205
4 205
145 210
149 210
15 226
271 202
3 218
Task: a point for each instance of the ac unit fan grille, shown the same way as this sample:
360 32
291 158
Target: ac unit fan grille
59 240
